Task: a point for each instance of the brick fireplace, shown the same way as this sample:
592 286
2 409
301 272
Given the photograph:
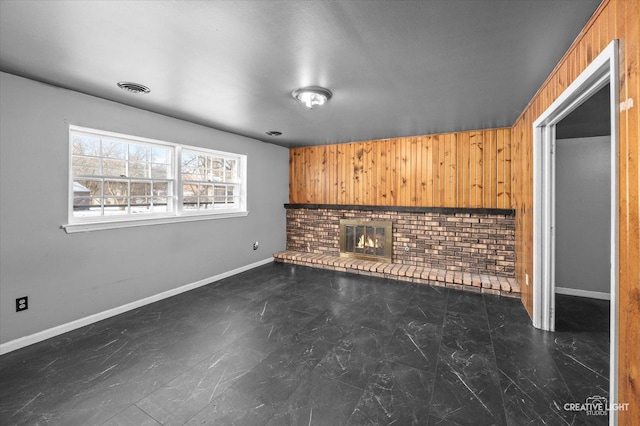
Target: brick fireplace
366 239
465 248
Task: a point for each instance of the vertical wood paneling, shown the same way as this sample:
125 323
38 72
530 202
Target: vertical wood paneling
462 169
614 19
630 292
451 178
333 179
394 169
428 144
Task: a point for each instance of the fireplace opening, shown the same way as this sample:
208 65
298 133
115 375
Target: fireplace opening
370 240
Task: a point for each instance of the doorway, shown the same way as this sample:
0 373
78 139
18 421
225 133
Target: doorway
600 73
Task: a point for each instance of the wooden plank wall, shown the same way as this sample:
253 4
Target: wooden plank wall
462 169
614 19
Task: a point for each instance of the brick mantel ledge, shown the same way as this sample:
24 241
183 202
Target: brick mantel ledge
479 283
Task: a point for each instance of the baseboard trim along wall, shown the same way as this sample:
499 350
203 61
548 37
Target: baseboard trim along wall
583 293
61 329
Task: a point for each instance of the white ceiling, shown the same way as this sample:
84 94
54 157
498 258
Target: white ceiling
396 68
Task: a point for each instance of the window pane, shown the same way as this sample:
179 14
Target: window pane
116 192
206 189
139 153
113 149
86 166
116 210
190 189
231 195
189 165
92 209
160 155
81 186
160 205
160 171
114 168
203 169
140 189
122 175
85 145
161 188
138 169
206 203
190 196
140 204
116 198
217 169
218 164
87 198
231 174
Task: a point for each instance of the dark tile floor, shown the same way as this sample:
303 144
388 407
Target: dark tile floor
289 345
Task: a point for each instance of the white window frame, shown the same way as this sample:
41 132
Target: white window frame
177 213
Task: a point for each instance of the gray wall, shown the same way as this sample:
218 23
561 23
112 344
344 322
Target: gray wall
70 276
583 217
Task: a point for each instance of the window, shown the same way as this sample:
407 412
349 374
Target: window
209 181
120 178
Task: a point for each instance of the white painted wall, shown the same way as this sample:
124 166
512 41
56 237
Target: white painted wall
71 276
583 200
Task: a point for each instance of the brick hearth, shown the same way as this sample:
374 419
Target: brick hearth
469 249
483 283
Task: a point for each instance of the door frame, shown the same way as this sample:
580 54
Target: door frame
602 71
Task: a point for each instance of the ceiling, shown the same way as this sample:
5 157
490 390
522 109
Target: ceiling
396 68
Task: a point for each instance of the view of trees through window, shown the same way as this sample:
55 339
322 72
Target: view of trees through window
208 180
113 176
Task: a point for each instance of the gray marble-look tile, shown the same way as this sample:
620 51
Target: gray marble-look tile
383 313
233 407
182 398
202 344
504 310
582 364
533 388
467 389
466 333
529 403
397 394
107 394
331 325
466 302
427 295
415 344
432 313
273 308
132 416
354 359
274 379
318 400
278 342
279 331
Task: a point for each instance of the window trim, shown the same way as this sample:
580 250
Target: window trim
92 223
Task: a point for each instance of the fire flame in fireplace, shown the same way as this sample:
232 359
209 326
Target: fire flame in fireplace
368 242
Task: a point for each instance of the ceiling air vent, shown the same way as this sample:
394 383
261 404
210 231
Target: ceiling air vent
133 87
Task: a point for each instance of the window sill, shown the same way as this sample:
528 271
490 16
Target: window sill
72 228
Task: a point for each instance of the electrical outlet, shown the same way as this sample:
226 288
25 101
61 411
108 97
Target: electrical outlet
22 304
255 245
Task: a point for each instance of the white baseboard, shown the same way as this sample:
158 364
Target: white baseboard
583 293
60 329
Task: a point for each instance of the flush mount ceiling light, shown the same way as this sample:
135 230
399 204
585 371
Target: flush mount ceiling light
133 87
312 96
